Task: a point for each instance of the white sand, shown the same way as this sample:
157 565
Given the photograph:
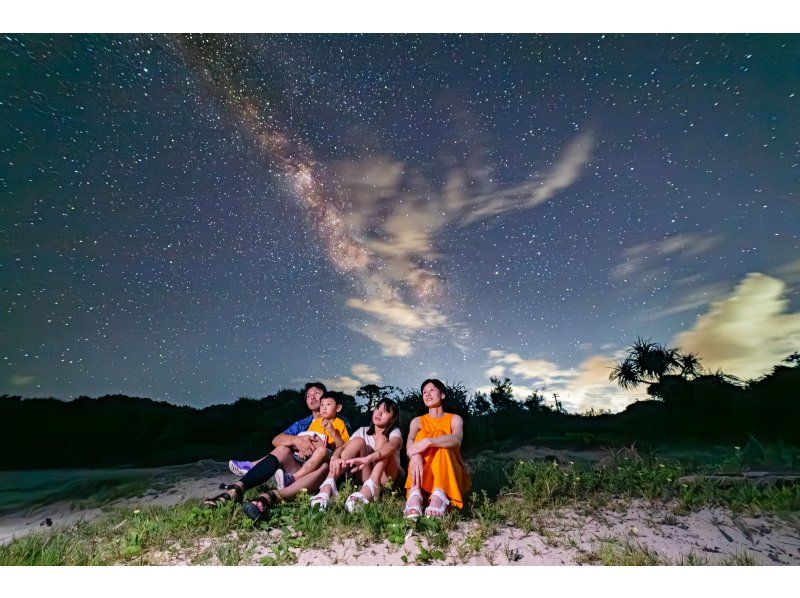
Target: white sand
64 512
570 536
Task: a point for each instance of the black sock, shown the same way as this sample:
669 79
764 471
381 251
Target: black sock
261 472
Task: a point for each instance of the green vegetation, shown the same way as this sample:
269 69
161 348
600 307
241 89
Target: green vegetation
532 489
677 436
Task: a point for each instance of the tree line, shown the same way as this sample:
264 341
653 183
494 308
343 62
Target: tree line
688 405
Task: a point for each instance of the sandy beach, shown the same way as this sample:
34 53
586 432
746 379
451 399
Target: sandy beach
578 535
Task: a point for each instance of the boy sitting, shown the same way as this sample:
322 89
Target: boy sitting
327 426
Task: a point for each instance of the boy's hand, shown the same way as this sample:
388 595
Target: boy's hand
328 425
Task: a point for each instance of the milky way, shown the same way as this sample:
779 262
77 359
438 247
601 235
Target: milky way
197 218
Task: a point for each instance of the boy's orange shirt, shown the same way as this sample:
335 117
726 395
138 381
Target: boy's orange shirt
338 425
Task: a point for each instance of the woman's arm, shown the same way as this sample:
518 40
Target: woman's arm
451 440
413 429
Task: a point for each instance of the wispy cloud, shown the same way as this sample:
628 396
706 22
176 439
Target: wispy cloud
692 299
398 314
789 272
391 343
398 216
22 380
651 258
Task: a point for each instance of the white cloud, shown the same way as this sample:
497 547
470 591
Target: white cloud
391 344
342 383
362 374
397 216
399 314
579 389
540 371
520 391
748 332
495 372
22 380
366 374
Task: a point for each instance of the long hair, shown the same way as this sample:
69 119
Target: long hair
392 407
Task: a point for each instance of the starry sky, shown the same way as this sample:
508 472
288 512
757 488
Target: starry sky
198 218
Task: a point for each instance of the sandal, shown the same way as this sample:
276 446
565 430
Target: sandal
266 501
437 511
321 499
220 499
413 512
358 499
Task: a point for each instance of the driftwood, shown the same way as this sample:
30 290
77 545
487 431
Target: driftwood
757 478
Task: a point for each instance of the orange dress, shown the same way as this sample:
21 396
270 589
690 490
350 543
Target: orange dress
442 467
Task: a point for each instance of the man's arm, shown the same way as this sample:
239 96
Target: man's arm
284 439
290 437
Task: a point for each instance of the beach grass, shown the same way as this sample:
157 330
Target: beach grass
188 533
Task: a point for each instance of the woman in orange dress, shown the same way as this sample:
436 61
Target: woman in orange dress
436 472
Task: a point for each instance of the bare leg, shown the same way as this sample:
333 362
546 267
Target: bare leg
283 454
318 457
310 482
355 447
380 472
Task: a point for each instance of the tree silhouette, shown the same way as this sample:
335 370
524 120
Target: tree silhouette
502 396
535 403
480 404
372 393
793 358
648 362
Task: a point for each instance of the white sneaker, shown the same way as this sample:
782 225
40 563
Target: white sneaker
283 479
239 467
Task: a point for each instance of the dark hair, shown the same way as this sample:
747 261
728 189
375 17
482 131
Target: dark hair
390 406
311 385
331 395
437 383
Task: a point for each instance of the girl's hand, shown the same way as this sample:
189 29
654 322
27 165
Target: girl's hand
357 463
336 467
415 470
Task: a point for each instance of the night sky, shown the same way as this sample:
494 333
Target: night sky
199 218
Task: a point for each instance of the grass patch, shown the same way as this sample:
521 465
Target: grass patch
531 491
614 553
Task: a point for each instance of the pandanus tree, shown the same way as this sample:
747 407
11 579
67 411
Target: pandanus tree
648 362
